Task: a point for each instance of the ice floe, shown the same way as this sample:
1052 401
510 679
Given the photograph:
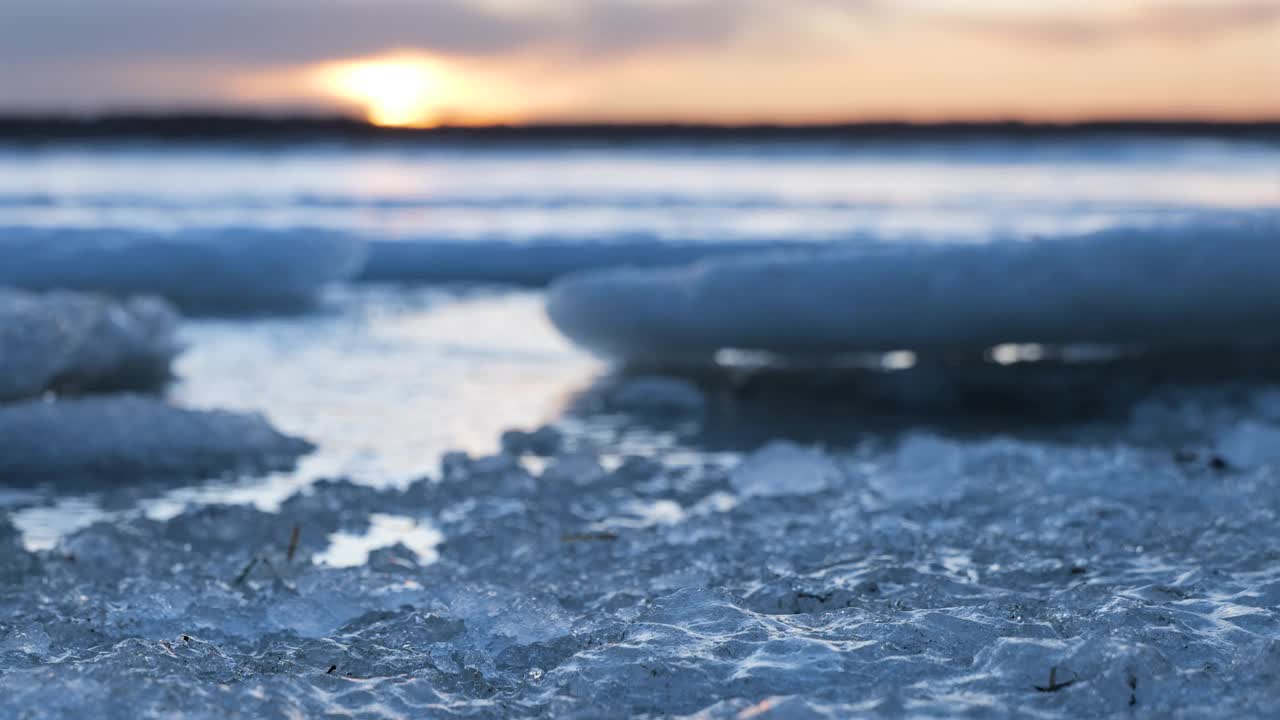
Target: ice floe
539 260
214 269
1214 280
133 438
67 340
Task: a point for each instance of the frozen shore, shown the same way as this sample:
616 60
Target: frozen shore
917 573
983 524
903 570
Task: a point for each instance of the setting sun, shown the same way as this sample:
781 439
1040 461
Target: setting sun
395 92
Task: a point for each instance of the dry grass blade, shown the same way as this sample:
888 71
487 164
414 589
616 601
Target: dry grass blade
294 537
244 574
1054 685
586 537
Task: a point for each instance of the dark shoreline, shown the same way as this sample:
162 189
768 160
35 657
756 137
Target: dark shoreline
37 129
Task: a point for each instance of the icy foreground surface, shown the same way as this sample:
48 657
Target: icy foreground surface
918 574
70 340
130 438
1213 280
222 269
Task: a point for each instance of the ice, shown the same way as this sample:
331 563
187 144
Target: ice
1250 444
543 442
937 573
214 269
1212 280
539 260
648 394
15 561
906 536
130 438
784 468
66 340
926 465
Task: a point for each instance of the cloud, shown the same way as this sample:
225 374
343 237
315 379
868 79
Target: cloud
251 31
91 53
281 32
1165 21
618 27
274 32
1196 20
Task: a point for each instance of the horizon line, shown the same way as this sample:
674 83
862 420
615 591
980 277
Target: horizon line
212 125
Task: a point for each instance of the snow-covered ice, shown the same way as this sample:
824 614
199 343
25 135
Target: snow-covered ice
67 340
100 440
213 269
1214 280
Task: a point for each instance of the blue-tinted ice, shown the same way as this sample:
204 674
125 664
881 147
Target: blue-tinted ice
919 574
1053 533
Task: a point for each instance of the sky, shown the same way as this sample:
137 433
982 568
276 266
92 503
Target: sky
427 62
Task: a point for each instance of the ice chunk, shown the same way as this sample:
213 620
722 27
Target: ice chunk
543 442
214 269
655 394
1250 444
1212 280
784 468
134 437
924 468
15 561
65 339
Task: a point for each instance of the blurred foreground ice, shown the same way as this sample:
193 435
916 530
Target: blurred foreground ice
212 269
92 442
70 340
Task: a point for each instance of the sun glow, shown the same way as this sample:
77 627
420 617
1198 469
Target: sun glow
394 91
